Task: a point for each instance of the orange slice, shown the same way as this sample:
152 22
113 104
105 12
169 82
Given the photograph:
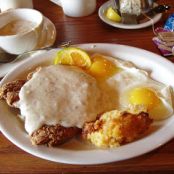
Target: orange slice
73 56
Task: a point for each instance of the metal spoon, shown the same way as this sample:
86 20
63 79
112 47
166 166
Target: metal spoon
158 9
117 5
7 57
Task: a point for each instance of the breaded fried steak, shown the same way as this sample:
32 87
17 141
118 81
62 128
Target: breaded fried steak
47 134
53 135
115 128
10 91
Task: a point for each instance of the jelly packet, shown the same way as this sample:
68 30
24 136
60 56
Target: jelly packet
165 50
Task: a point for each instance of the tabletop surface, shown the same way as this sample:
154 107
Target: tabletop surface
91 29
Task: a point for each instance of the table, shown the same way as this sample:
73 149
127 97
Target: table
90 30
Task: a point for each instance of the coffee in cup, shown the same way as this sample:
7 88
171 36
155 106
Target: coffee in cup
13 4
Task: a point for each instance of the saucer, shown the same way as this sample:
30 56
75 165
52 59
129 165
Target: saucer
103 17
48 35
47 39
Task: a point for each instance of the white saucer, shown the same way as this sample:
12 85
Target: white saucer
47 39
102 16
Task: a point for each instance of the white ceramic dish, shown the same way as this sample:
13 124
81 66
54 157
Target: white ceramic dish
47 39
75 151
20 42
80 8
103 17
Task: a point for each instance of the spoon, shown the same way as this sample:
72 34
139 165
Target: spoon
117 5
7 57
158 9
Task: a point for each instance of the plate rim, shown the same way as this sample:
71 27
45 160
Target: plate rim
155 19
160 142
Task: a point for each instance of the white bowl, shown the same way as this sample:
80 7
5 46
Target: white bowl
21 42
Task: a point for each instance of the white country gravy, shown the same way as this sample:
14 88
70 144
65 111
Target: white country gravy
17 27
59 94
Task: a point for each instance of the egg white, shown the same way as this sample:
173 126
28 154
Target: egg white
117 87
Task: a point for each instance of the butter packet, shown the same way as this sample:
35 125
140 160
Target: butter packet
164 41
166 36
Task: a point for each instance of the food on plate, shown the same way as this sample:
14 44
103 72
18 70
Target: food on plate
126 12
115 128
73 56
113 15
53 135
10 91
59 94
132 7
101 67
141 90
81 91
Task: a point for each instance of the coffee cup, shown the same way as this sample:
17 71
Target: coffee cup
20 30
13 4
77 8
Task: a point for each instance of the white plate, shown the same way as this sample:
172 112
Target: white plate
103 17
76 152
47 39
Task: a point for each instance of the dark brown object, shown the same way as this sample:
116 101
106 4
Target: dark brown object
91 29
134 126
53 135
10 91
129 19
30 75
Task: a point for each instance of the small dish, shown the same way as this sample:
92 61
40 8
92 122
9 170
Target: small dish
47 39
76 151
103 17
22 37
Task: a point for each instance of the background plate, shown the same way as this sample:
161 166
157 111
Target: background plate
103 17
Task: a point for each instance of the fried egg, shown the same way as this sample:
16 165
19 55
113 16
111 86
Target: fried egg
132 89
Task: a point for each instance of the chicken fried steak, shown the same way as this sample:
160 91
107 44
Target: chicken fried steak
47 134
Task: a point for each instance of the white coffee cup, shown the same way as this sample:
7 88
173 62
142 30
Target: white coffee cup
12 4
77 8
27 40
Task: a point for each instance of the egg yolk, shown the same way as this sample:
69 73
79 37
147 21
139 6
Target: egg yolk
144 96
101 67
